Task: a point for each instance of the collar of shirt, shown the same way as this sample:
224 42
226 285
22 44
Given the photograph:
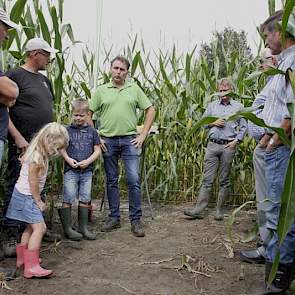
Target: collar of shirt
225 104
286 53
79 127
126 85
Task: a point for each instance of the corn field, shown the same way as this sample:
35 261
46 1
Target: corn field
179 84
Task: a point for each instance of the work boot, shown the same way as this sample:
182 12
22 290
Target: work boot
32 265
51 237
281 282
9 273
110 224
198 211
1 251
66 221
137 228
254 255
9 246
83 220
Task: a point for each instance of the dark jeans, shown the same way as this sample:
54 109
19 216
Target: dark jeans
121 147
13 170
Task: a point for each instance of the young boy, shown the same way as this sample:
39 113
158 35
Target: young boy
82 151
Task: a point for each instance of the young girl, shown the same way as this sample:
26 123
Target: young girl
26 204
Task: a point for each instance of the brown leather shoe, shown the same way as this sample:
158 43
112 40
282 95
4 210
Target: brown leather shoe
110 225
137 229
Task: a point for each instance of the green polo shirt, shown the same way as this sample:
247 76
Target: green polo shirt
117 108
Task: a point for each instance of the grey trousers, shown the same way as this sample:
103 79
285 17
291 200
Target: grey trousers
217 155
261 192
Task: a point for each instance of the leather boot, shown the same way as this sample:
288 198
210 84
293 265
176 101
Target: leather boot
32 266
281 282
202 202
83 220
66 221
51 236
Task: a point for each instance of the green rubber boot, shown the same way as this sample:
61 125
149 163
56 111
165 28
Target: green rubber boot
66 221
83 220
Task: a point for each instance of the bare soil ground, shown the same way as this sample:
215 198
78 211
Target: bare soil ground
177 257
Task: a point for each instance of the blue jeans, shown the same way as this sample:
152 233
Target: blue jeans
276 164
121 147
77 184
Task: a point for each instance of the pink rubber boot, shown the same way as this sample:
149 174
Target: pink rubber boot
20 255
32 265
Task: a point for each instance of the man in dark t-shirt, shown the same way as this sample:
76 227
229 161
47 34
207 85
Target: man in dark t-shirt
8 95
32 110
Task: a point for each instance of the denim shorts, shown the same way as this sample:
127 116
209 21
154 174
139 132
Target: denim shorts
77 184
24 208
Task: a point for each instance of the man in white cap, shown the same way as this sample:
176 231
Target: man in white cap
32 110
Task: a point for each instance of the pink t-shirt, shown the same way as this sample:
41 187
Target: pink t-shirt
23 185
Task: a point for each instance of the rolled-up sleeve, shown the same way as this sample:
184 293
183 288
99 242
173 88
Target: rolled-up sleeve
243 126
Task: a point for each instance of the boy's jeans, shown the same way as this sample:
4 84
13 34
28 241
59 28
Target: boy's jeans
77 184
121 146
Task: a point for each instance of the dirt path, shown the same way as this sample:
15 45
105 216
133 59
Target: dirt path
177 257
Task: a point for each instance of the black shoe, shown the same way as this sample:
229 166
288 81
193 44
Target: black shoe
252 256
281 282
51 236
8 273
194 214
110 224
9 247
137 228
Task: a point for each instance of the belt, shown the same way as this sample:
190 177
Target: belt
220 141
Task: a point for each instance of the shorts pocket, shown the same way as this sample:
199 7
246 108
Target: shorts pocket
19 203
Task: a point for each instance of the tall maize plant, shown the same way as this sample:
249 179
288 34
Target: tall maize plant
179 84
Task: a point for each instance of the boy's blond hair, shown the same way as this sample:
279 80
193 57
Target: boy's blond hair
80 104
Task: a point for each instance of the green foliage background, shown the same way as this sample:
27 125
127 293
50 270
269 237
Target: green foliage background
179 84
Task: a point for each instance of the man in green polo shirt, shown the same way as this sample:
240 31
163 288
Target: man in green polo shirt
117 103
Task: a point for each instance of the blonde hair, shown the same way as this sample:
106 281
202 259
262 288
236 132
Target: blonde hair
47 142
80 104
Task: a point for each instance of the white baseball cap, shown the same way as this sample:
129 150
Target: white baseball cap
5 19
38 43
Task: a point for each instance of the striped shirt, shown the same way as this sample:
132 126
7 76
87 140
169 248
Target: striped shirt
279 93
256 131
232 129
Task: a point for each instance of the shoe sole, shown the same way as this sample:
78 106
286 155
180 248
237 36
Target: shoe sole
111 229
193 217
249 260
40 277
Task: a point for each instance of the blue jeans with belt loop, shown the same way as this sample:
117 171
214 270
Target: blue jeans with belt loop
276 162
121 147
